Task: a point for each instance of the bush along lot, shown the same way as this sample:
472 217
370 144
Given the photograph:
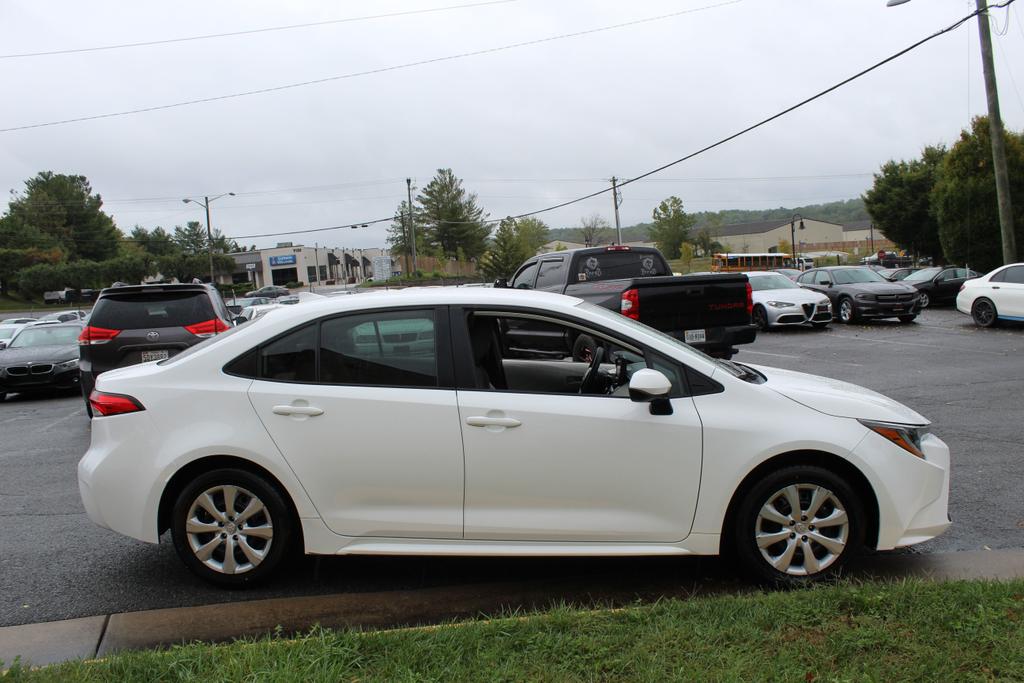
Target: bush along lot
902 631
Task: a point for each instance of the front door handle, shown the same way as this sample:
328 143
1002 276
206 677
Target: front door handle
311 411
483 421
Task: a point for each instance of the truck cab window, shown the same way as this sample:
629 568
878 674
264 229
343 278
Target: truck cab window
525 278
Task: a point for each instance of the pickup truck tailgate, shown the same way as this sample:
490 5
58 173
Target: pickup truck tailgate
695 302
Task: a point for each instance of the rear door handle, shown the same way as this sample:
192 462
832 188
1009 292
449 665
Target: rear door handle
483 421
311 411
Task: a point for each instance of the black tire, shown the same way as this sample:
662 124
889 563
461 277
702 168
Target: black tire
3 396
983 311
847 311
276 516
831 546
759 317
907 318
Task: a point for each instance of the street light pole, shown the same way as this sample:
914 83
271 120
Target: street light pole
412 225
995 126
209 229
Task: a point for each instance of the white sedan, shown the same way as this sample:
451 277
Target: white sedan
995 296
454 421
778 301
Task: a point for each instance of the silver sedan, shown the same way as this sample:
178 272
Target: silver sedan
778 301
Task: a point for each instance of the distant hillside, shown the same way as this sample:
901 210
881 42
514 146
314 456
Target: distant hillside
846 211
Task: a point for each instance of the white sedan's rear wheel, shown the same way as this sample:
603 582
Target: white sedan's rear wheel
231 527
797 525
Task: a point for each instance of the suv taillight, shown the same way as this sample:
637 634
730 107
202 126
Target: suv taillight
629 304
208 328
750 299
113 404
96 335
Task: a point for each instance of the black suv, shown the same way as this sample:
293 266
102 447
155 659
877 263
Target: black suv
141 323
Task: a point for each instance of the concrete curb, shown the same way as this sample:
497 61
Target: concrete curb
84 638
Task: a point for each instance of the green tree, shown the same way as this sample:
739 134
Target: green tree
61 210
671 226
507 251
156 243
190 239
706 243
686 254
399 242
12 261
533 233
964 198
899 202
450 216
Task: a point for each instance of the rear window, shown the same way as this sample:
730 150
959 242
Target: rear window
616 265
151 309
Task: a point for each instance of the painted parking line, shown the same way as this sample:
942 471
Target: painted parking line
934 347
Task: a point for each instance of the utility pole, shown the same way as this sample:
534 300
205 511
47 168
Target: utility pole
316 260
412 225
209 238
995 124
871 235
616 201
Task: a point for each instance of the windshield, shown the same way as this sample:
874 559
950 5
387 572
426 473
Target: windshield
760 283
7 332
854 275
922 275
46 336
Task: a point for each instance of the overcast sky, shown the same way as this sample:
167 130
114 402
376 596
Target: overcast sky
524 128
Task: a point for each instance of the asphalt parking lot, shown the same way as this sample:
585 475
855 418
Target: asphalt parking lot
55 564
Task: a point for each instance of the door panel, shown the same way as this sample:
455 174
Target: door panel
378 461
578 468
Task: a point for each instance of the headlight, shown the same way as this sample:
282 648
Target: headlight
780 304
865 297
67 364
906 437
824 302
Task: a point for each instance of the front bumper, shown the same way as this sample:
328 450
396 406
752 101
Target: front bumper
799 315
887 309
38 381
912 492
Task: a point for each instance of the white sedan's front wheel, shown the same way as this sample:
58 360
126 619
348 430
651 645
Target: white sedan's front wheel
797 525
231 527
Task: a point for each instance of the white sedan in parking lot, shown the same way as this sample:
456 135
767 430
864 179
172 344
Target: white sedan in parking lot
778 301
454 421
995 296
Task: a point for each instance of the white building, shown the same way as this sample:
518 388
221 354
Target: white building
289 263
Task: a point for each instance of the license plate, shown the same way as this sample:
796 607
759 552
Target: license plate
695 336
148 356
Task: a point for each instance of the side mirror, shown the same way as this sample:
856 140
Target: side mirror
647 385
501 283
825 283
3 345
239 319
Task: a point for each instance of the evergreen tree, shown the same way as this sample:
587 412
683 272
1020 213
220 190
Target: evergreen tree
507 252
451 218
671 226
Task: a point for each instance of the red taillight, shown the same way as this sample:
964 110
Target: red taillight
96 335
750 299
629 305
113 404
208 328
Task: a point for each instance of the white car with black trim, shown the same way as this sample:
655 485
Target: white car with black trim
778 301
995 296
411 424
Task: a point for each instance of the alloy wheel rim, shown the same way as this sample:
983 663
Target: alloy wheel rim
846 311
925 300
760 318
802 529
984 312
229 529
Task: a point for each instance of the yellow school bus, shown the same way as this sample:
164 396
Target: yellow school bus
735 263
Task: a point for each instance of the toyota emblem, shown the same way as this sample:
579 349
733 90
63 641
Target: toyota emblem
152 336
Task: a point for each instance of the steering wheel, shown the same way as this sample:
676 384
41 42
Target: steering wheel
591 380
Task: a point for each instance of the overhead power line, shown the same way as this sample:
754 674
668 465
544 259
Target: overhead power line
368 72
267 29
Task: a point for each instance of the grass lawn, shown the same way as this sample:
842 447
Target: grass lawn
13 303
903 631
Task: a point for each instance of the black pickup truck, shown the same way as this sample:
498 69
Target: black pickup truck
709 312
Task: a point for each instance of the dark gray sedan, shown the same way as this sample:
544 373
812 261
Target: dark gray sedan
40 358
858 292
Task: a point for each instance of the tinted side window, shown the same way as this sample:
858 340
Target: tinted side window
1014 275
291 358
525 278
379 349
822 276
806 278
552 273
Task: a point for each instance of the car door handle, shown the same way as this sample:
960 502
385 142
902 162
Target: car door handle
311 411
995 286
483 421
